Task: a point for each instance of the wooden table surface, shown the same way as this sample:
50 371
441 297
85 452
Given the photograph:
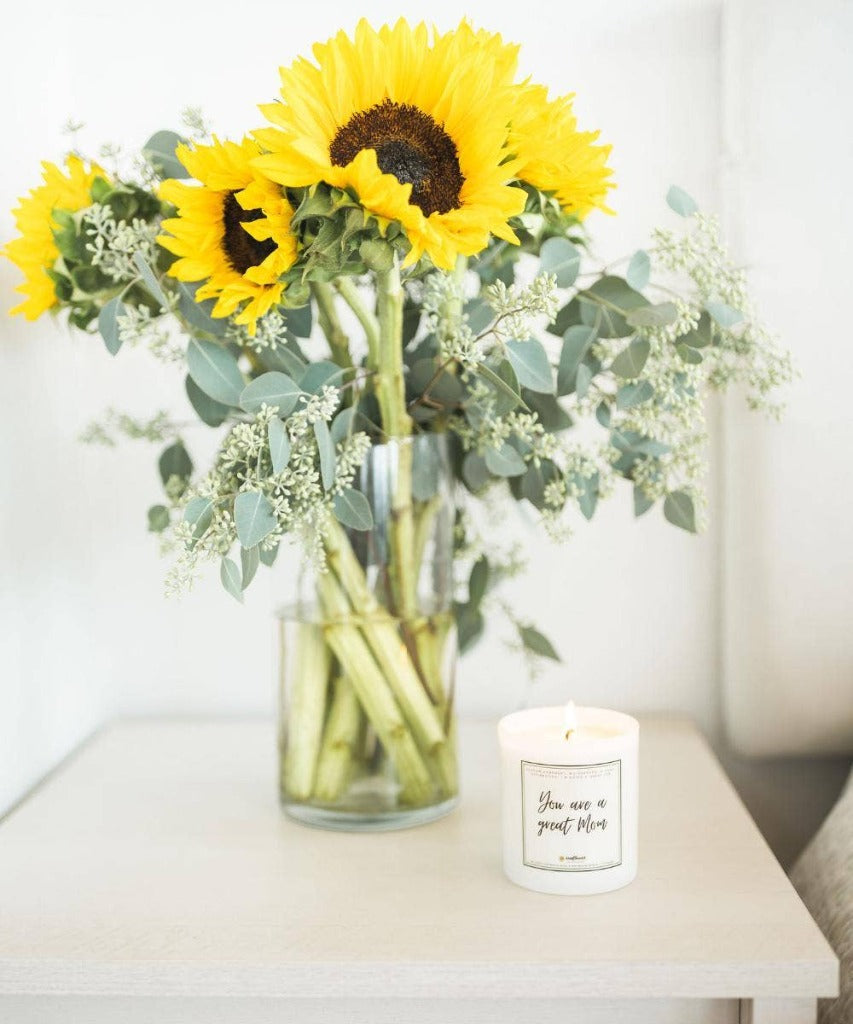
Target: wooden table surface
157 863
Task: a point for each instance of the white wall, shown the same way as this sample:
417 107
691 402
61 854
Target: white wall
85 630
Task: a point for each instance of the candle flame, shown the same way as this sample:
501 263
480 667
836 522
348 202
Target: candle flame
570 719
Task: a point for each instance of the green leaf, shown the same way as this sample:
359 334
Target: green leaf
478 581
475 472
353 510
469 625
679 201
576 343
268 556
215 371
603 414
559 257
631 395
689 355
583 379
552 415
327 453
537 643
108 324
377 255
605 304
724 314
536 479
639 270
158 518
253 517
445 388
642 502
588 494
199 514
702 334
504 381
159 151
318 374
149 279
209 411
175 461
678 509
660 315
479 313
283 357
274 389
197 314
250 559
299 321
530 362
279 445
568 316
505 461
631 360
229 574
343 425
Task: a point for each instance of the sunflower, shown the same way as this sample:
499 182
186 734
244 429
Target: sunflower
232 231
554 156
415 125
35 251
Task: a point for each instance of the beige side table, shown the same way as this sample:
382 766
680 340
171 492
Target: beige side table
153 878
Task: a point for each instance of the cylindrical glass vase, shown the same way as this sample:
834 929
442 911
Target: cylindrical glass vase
368 653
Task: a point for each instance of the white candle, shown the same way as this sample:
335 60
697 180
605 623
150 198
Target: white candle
570 792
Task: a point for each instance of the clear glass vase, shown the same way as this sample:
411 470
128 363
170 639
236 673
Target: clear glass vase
368 654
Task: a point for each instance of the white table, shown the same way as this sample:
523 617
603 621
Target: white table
154 875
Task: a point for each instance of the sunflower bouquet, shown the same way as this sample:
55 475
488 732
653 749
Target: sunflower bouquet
386 290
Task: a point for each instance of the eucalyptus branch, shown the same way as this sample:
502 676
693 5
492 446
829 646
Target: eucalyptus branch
330 323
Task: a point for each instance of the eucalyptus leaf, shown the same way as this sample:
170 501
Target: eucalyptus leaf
229 574
552 415
724 314
197 314
505 461
343 425
268 555
588 494
352 509
149 279
326 449
679 510
159 151
536 479
631 395
479 313
175 461
469 625
108 324
273 389
702 334
559 257
576 343
583 379
504 381
158 518
689 355
631 360
478 581
603 414
679 201
639 270
299 321
642 502
279 445
199 514
214 369
318 374
475 472
530 362
537 643
208 410
253 517
250 559
660 315
568 316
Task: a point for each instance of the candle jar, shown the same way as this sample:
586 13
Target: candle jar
569 800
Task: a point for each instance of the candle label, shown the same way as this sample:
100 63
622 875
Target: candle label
571 816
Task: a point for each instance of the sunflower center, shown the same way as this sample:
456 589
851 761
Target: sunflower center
409 145
241 250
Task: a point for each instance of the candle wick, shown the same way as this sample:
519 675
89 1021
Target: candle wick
569 733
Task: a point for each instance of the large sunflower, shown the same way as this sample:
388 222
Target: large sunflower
554 156
415 126
232 230
35 251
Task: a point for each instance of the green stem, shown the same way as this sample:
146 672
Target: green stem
340 739
330 323
390 381
307 711
350 294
